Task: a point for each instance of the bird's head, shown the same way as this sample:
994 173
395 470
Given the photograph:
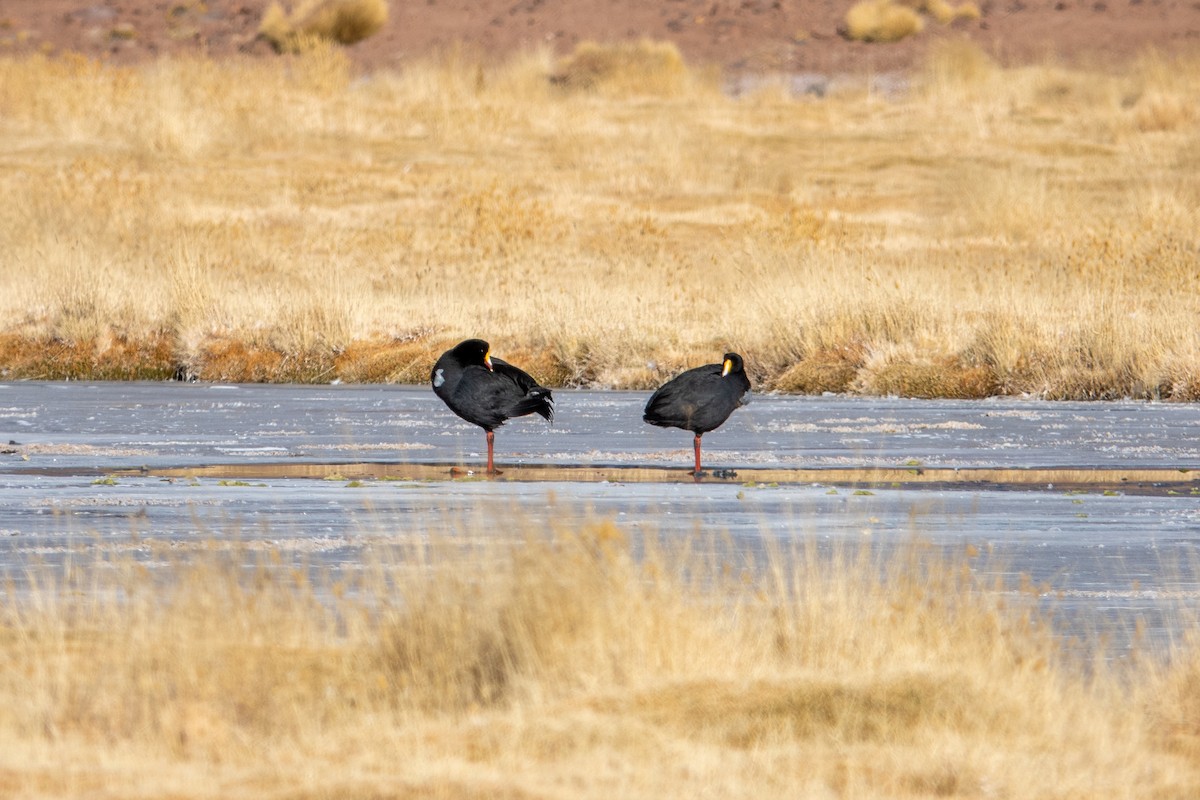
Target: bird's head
474 351
732 363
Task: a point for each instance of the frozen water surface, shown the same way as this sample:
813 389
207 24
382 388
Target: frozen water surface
1113 554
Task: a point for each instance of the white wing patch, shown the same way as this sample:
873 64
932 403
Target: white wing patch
438 378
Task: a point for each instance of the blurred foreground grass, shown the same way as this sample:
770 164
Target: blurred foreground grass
605 222
571 663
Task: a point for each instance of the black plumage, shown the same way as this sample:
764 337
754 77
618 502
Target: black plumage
701 399
486 391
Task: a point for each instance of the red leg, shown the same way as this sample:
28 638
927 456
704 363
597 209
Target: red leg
491 437
697 443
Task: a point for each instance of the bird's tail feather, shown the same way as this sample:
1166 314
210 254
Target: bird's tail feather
538 402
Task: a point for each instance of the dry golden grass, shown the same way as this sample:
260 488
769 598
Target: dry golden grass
313 21
571 664
625 69
1020 231
893 20
882 21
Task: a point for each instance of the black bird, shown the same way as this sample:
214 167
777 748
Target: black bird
701 399
486 391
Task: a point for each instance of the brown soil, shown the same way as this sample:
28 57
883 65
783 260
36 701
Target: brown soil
739 35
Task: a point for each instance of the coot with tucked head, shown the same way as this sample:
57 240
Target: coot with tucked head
701 399
486 391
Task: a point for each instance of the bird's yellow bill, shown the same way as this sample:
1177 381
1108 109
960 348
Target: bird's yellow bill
726 367
487 359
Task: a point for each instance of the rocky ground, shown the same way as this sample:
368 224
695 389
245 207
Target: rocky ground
742 36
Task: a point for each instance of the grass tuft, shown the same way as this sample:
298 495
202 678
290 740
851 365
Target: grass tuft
335 21
945 378
823 371
643 67
881 21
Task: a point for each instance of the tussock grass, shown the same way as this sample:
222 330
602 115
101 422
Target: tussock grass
643 67
893 20
882 21
471 665
1024 231
313 21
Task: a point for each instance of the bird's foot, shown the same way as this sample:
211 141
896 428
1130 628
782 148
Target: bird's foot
723 474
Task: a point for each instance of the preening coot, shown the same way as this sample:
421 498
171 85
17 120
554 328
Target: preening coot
701 399
486 391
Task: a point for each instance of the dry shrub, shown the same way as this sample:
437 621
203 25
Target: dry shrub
881 21
339 21
643 67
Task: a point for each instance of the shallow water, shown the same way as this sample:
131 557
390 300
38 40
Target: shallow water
1097 501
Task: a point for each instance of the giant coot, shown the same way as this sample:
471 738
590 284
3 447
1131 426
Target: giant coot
701 399
487 391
